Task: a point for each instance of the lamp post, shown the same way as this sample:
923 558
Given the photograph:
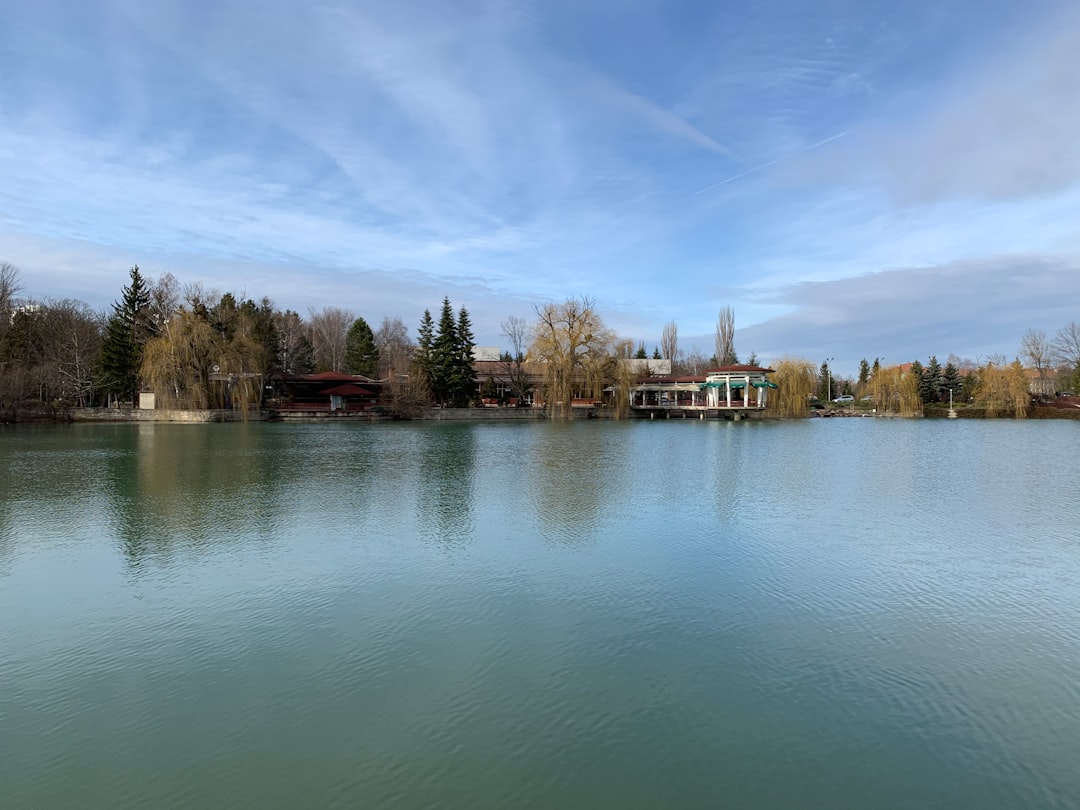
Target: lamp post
828 377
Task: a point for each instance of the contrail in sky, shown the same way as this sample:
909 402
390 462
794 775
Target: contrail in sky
780 159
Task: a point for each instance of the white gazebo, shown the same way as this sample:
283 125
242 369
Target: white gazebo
737 387
730 388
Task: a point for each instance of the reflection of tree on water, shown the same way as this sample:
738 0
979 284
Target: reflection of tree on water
191 488
724 455
447 478
7 532
571 479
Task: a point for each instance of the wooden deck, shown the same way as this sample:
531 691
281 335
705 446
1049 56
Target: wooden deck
735 412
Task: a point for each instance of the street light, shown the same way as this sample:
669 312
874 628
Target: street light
828 377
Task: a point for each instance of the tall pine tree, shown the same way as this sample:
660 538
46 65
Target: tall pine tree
930 384
361 354
425 341
129 328
951 381
463 382
444 351
824 381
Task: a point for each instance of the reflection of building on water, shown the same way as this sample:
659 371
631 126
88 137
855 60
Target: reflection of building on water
725 392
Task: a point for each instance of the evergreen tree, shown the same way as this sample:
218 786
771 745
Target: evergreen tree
640 353
425 343
128 329
361 353
752 360
864 372
950 380
462 381
875 368
224 317
930 384
444 351
656 353
260 317
824 381
916 371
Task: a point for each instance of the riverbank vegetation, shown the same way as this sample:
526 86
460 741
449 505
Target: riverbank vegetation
197 348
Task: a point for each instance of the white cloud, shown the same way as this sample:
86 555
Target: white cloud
970 308
321 149
1002 129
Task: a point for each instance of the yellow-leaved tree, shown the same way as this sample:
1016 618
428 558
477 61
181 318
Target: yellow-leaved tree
1003 390
570 339
796 381
896 392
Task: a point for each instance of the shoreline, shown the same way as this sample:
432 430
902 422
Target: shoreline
44 414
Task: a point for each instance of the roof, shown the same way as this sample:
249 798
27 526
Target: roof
349 390
725 369
668 378
334 376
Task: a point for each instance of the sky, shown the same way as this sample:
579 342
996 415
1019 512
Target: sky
854 178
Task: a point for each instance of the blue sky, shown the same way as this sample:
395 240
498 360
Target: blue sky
853 178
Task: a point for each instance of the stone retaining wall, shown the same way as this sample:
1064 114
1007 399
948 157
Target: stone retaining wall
483 414
160 415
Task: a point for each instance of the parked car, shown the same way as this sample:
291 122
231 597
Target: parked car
845 398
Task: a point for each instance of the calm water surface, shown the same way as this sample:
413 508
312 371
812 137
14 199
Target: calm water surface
834 614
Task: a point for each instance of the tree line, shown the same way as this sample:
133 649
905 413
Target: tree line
193 347
196 348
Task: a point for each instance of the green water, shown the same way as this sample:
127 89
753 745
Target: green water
830 614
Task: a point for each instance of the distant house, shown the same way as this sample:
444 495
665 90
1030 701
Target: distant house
499 375
1041 383
330 391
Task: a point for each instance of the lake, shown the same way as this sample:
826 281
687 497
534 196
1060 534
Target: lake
845 613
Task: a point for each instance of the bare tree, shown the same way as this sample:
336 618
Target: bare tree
516 330
1066 345
10 287
693 362
74 337
293 350
395 347
50 353
725 337
1035 351
165 297
669 342
329 328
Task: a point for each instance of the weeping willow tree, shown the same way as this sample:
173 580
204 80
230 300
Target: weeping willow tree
795 381
573 343
895 392
176 364
625 378
195 364
240 361
1003 390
